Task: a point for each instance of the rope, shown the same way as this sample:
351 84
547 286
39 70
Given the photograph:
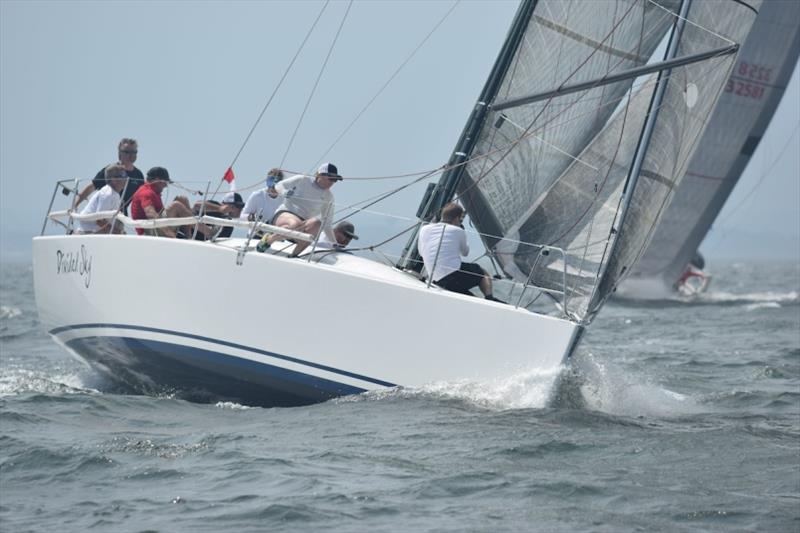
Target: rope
278 86
761 179
385 85
274 92
316 83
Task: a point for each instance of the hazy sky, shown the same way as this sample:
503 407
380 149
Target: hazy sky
188 79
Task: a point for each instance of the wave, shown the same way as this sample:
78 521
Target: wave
766 299
600 386
7 312
20 381
528 389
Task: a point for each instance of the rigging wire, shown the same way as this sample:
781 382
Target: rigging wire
386 84
316 83
280 82
761 179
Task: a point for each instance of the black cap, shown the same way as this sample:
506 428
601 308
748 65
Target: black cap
158 173
330 170
233 198
347 228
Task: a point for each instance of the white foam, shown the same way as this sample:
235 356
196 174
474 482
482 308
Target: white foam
7 312
528 389
20 381
232 406
790 297
609 389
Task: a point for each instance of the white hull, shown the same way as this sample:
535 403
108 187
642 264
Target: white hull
158 313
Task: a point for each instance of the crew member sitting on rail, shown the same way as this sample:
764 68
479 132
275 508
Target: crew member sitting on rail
260 205
443 261
307 205
229 208
344 232
105 199
127 152
146 204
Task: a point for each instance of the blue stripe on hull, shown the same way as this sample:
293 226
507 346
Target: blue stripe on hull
61 329
203 375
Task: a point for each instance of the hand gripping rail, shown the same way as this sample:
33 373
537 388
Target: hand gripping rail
185 221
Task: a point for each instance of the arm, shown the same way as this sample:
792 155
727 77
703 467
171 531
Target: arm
463 246
151 213
326 218
89 189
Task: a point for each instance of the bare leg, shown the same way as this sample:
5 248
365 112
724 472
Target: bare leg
285 220
179 209
486 285
312 227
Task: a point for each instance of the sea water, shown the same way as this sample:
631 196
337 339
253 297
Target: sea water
672 416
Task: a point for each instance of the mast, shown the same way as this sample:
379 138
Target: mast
445 189
644 139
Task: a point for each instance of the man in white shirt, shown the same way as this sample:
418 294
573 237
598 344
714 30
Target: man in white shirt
307 205
106 199
260 205
443 261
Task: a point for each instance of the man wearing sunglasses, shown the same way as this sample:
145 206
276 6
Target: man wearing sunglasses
260 205
127 152
307 205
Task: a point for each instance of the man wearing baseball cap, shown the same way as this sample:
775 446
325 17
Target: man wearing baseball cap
307 205
146 204
229 208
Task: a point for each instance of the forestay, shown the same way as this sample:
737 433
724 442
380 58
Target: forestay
552 168
752 93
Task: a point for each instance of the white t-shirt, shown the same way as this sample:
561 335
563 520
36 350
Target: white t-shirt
303 197
260 204
454 245
106 199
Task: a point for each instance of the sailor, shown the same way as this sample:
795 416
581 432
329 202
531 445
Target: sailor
344 232
307 205
146 204
260 205
229 208
127 152
105 199
443 261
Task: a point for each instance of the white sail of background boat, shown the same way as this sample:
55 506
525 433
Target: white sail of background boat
573 149
763 69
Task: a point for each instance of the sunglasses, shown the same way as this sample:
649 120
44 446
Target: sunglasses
129 151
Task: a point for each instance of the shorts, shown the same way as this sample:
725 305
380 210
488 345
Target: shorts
280 212
468 275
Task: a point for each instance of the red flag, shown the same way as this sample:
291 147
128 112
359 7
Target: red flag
229 177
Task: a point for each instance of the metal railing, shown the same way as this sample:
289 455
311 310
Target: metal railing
66 218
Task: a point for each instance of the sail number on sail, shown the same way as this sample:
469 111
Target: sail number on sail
749 80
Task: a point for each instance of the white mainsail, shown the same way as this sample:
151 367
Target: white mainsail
752 93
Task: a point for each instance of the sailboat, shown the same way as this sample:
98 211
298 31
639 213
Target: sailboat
568 159
672 264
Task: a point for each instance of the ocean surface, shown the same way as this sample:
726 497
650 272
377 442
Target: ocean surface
673 416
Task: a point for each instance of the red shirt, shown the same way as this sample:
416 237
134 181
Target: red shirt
144 196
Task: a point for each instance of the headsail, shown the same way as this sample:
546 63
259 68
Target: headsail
554 168
752 93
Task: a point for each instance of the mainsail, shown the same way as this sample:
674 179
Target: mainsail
764 65
587 137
